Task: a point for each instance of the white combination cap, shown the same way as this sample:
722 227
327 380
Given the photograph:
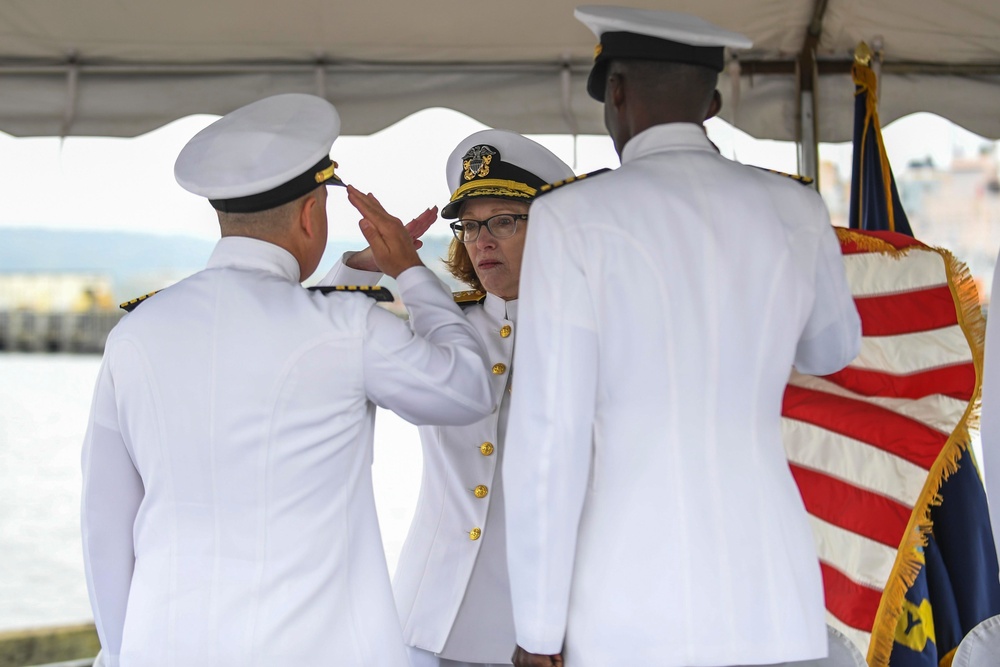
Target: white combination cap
648 34
502 164
262 155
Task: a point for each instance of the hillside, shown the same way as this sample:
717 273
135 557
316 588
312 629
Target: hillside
138 263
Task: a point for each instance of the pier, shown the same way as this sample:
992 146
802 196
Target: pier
35 331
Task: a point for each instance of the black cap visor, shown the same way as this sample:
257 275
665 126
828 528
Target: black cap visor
633 46
322 173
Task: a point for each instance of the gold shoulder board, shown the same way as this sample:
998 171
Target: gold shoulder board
131 305
371 291
804 180
549 187
469 297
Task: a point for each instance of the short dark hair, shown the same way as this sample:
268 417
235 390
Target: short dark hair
272 222
661 82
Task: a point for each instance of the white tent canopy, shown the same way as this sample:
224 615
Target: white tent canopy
106 67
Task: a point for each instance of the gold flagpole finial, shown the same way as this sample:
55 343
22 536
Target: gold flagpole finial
863 54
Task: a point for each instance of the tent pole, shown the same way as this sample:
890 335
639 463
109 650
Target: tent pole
566 89
808 74
72 93
808 146
320 74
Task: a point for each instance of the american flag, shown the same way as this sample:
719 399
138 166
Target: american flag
871 445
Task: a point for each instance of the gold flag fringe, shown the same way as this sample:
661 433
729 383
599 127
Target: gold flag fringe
909 558
873 244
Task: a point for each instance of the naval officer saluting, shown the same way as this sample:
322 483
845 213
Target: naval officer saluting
451 582
652 517
228 515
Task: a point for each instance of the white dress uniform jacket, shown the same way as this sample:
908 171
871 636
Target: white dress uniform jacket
991 408
228 515
451 583
652 518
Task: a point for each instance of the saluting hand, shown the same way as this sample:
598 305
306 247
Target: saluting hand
364 260
390 242
522 658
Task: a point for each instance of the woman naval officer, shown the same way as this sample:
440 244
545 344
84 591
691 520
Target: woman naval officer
451 585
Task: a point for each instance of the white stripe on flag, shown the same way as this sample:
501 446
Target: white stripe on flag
863 561
941 413
907 354
875 274
860 638
852 461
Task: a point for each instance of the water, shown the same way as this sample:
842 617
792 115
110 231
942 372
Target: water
44 406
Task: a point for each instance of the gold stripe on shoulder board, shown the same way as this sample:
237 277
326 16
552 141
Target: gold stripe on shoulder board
469 297
372 291
804 180
549 187
132 304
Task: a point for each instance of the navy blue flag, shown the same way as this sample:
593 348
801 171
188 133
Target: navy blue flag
875 202
959 583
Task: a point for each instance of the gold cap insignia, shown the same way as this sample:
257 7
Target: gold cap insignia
597 50
477 161
326 174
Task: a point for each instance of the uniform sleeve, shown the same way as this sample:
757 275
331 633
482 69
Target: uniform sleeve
342 274
832 335
548 449
434 373
112 491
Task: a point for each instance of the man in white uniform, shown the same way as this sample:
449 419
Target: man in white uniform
228 516
451 583
652 518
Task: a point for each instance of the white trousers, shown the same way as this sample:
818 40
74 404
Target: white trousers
421 658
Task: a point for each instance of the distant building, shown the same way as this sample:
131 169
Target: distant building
836 192
55 292
956 208
56 312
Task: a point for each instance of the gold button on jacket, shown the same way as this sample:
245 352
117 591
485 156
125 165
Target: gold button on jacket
486 448
475 533
499 369
481 491
505 331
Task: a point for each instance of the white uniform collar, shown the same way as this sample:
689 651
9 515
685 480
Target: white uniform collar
500 309
669 136
242 252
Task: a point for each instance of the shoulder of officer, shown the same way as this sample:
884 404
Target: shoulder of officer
468 298
372 291
132 304
549 187
804 180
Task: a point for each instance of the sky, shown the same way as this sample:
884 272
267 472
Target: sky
98 183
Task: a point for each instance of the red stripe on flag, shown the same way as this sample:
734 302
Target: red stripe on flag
957 381
852 508
854 604
907 312
871 424
894 239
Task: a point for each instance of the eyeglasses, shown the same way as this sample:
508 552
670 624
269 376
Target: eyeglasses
501 226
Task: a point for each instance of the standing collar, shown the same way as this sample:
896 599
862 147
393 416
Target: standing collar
669 136
241 252
500 309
